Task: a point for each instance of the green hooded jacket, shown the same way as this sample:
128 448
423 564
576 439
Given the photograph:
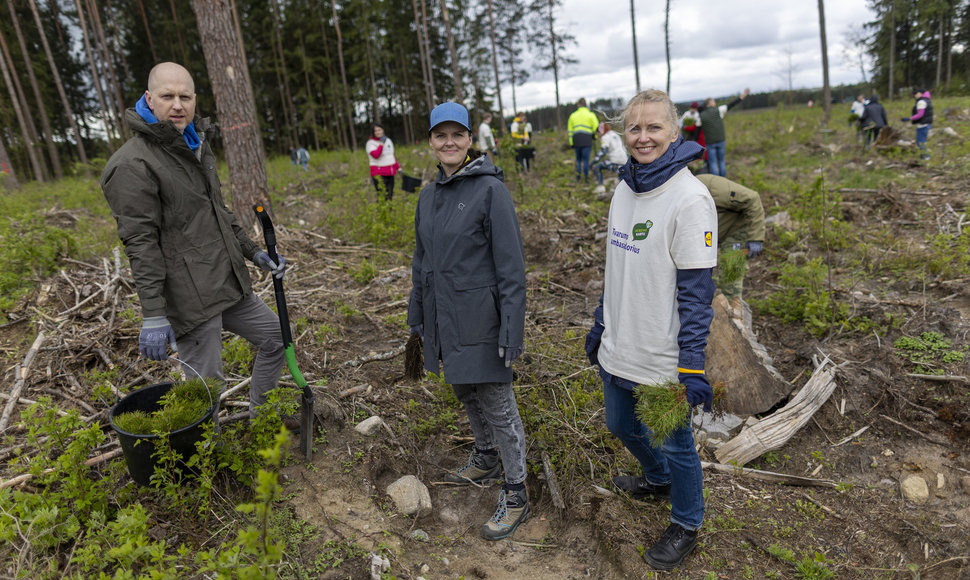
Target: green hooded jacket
187 251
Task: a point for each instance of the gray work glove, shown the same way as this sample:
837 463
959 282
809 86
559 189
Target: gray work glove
754 249
510 353
419 330
263 260
156 334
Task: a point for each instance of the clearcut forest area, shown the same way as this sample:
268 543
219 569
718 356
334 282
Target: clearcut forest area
866 262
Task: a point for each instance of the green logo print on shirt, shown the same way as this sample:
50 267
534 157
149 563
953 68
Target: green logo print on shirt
641 231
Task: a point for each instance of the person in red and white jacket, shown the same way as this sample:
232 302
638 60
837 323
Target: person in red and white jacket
383 164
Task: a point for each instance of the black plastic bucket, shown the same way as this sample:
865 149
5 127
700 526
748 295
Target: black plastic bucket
138 449
410 184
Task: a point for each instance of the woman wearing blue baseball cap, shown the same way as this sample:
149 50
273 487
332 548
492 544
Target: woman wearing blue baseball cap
468 305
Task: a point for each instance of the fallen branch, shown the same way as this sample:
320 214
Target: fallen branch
941 378
354 390
775 430
770 476
552 482
851 437
916 431
21 379
375 357
89 462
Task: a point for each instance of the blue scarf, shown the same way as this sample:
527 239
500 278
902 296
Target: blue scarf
642 177
190 136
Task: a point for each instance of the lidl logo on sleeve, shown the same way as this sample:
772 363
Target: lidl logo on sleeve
708 239
642 230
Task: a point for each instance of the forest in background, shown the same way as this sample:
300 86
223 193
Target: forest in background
322 71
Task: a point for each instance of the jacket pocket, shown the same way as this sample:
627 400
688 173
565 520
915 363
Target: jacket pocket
477 309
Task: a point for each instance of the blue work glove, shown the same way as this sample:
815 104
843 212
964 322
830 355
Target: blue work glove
419 330
904 119
263 260
510 353
698 390
383 138
754 249
156 334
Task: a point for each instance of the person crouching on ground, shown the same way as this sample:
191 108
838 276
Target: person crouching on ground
654 317
468 305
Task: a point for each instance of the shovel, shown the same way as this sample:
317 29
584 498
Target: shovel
306 404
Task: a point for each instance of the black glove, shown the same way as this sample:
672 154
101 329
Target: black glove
156 335
904 119
593 339
698 390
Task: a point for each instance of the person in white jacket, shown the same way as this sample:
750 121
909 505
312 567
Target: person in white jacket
611 156
383 164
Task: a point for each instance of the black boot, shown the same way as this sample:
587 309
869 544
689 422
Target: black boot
676 543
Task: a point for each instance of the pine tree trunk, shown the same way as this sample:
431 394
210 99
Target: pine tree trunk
939 56
24 116
498 83
7 174
555 66
148 29
374 108
288 107
311 102
45 121
60 89
338 124
636 57
427 53
113 84
826 88
236 108
422 56
110 127
892 50
667 42
348 106
459 88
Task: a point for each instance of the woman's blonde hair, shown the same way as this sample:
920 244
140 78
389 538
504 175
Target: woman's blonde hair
628 116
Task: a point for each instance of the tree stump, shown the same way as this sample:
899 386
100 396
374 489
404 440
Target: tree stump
736 359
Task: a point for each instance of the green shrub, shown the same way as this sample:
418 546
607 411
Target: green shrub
184 404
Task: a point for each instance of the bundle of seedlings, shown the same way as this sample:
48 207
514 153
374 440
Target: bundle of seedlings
414 357
731 265
184 404
663 408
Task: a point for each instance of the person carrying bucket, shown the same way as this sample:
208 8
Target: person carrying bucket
187 251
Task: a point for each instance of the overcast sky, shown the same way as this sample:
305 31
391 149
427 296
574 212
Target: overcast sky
717 49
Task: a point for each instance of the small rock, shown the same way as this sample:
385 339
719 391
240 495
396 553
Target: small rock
915 489
446 562
369 426
965 483
378 565
420 535
410 496
424 569
888 452
940 481
450 516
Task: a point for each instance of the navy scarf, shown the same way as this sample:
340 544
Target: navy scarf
190 136
643 177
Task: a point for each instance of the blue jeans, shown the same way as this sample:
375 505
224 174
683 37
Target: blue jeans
582 160
599 167
921 134
494 419
715 158
675 462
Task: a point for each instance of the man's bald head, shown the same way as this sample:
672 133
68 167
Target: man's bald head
168 70
171 94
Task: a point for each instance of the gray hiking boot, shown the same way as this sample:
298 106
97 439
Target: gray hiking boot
513 509
481 469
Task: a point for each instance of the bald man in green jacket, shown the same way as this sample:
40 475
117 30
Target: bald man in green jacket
740 225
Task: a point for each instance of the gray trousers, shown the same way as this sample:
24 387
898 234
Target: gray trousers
250 318
494 418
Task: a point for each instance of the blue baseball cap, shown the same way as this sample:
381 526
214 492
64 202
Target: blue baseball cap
449 112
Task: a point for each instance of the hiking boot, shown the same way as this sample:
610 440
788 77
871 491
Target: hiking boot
674 545
639 487
513 509
481 469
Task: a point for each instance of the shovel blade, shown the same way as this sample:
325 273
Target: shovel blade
306 423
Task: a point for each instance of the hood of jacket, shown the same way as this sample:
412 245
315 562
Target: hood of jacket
481 165
643 177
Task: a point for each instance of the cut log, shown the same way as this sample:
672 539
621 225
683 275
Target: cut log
736 359
775 430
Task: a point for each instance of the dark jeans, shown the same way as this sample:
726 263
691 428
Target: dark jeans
582 160
384 184
675 462
493 416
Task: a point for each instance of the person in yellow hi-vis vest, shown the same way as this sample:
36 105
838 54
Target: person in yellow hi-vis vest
582 130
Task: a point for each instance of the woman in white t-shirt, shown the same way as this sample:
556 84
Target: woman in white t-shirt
383 164
654 318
